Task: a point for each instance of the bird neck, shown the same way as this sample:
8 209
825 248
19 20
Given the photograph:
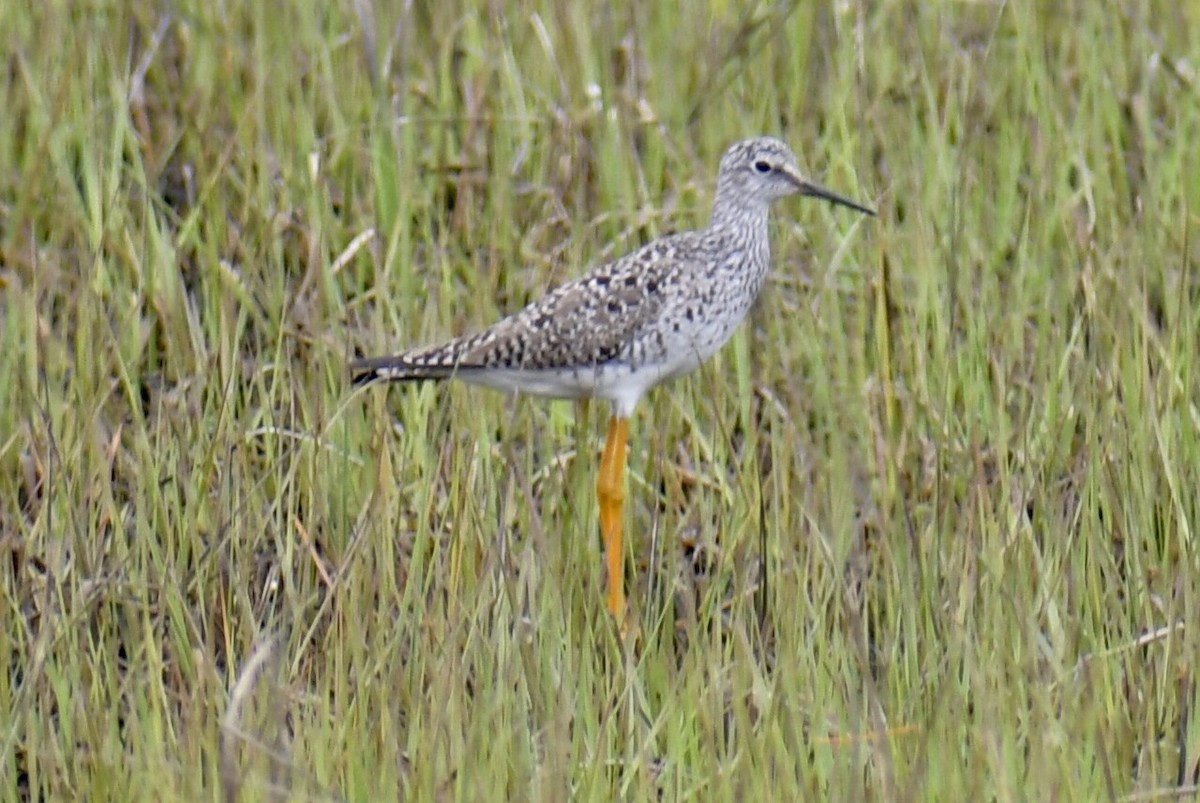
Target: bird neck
741 227
737 213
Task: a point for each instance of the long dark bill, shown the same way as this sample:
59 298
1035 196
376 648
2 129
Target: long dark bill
817 191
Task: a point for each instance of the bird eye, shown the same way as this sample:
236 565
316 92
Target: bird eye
762 167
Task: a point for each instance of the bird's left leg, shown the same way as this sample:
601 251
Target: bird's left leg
610 491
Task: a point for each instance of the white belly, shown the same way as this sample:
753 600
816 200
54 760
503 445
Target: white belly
616 383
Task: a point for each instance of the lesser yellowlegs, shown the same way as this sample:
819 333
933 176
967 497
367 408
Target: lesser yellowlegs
628 325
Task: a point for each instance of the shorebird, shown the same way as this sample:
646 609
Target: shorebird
628 325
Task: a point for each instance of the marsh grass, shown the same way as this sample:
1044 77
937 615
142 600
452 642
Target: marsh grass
924 531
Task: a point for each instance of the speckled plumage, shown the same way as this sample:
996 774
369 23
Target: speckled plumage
651 315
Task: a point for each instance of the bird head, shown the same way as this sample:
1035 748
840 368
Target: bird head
764 169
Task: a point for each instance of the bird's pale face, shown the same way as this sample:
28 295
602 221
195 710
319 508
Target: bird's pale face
762 168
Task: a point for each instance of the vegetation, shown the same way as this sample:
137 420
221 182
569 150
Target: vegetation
927 530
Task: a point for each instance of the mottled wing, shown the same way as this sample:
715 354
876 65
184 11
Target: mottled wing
603 316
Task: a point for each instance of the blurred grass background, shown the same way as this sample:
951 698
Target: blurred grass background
924 531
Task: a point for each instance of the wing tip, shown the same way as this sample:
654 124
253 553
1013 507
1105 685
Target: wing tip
369 370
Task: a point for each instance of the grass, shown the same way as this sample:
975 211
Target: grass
926 530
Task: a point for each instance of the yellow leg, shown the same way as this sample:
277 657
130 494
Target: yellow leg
610 490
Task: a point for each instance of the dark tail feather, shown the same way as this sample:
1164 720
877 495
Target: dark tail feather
394 369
